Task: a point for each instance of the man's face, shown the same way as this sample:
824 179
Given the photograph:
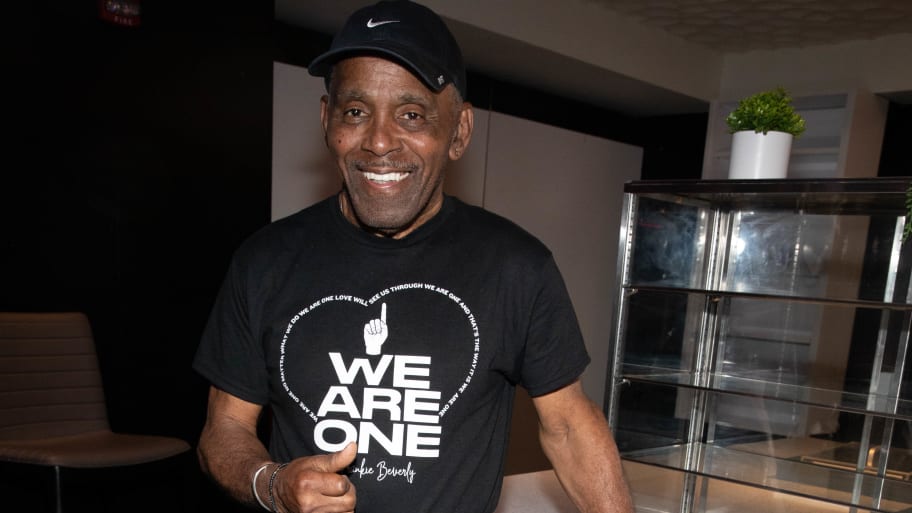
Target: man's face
391 138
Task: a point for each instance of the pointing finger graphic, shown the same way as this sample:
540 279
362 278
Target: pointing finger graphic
375 333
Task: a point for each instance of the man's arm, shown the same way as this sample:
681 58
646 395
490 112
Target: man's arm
576 439
230 452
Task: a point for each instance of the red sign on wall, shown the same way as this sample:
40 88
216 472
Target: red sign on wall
120 12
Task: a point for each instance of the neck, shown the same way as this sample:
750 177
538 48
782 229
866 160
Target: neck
348 212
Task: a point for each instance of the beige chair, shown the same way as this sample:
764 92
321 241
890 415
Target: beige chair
52 406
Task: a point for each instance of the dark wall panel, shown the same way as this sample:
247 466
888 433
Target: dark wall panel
895 157
141 159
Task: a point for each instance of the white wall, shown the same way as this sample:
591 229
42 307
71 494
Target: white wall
564 187
567 189
880 66
301 167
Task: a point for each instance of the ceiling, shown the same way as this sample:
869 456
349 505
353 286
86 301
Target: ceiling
744 25
723 26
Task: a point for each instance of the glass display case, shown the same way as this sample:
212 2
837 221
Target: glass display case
761 345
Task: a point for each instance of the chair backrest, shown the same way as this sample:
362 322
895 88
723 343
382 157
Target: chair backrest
50 384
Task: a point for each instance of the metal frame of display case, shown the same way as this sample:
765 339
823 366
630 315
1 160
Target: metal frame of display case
714 371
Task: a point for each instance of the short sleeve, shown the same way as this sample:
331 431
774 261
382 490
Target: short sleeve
230 355
555 354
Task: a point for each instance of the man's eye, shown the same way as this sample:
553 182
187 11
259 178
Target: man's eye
354 113
412 116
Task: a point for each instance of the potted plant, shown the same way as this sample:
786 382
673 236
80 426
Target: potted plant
763 126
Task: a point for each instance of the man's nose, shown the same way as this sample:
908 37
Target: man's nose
381 137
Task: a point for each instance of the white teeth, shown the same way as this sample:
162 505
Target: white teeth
386 177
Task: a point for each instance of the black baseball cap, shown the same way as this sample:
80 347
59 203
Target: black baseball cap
405 32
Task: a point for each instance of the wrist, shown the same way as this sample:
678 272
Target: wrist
256 492
271 486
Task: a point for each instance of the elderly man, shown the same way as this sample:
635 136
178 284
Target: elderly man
386 327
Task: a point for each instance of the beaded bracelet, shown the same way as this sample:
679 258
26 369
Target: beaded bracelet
255 494
272 479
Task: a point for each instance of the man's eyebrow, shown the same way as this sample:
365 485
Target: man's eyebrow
349 94
359 95
414 98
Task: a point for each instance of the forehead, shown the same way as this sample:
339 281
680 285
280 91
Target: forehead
368 74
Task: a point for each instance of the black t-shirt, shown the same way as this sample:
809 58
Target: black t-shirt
410 347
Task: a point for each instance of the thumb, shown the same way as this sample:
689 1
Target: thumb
337 461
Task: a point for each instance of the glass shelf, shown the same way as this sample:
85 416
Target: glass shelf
661 489
761 340
770 384
782 474
715 295
868 196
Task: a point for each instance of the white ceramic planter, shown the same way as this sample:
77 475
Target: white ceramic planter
758 155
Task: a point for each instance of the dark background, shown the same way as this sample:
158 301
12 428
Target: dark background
140 157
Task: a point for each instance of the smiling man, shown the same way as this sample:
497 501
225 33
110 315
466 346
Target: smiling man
392 138
387 327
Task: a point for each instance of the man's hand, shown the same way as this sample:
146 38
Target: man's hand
313 484
375 333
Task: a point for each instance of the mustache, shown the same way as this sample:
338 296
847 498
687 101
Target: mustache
383 163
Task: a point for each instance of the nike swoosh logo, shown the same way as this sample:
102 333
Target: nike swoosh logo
371 23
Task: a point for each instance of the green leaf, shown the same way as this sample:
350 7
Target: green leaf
766 111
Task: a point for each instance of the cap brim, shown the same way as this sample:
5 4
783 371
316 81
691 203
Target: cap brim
322 65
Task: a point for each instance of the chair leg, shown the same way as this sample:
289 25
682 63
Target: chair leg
57 490
32 488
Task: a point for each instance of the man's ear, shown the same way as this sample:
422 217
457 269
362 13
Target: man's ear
324 116
463 135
